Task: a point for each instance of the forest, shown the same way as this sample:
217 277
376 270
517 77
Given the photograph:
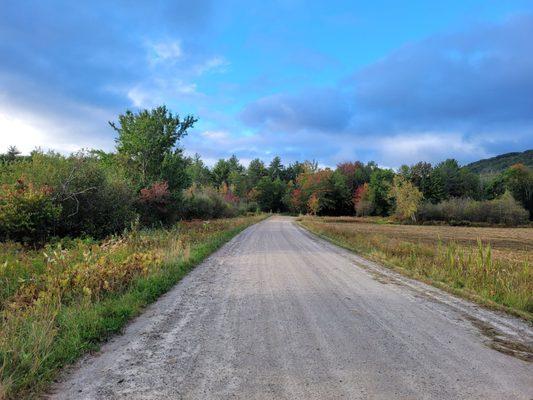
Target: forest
149 181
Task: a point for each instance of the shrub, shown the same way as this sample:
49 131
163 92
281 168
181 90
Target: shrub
94 199
206 202
27 214
504 210
155 204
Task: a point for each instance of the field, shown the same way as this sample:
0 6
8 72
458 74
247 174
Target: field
488 265
59 302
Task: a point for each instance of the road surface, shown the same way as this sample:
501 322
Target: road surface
280 314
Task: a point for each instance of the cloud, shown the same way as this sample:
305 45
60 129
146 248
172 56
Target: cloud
165 51
469 80
410 148
214 64
310 110
464 95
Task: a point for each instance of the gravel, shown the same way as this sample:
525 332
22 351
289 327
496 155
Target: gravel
280 314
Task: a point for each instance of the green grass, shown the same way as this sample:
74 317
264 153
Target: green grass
40 337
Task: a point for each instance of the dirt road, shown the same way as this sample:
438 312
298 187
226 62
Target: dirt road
280 314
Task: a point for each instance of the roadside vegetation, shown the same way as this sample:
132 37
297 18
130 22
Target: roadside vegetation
489 265
62 300
88 239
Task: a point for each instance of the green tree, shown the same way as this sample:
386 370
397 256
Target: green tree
198 172
270 194
450 178
340 195
519 180
220 172
224 168
146 145
276 169
256 170
379 186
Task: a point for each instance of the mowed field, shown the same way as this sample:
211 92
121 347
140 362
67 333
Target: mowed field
490 265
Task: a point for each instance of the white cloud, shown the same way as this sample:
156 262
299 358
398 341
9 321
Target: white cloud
429 146
16 132
216 63
158 91
165 51
215 135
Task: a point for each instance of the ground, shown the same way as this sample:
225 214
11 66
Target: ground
278 313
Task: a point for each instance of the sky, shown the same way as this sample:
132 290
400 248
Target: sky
390 81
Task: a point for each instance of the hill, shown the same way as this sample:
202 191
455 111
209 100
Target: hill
501 162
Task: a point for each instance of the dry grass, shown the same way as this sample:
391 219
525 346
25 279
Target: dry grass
490 264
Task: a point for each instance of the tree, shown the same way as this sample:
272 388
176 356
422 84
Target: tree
450 178
313 204
224 168
270 194
256 170
519 180
340 195
220 172
407 198
420 175
12 153
355 173
146 145
276 169
198 172
380 182
361 200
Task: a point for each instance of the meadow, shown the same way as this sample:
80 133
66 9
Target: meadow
61 301
489 265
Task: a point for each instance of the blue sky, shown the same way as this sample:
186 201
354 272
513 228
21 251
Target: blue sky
390 81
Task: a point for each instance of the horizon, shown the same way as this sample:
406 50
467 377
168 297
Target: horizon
334 83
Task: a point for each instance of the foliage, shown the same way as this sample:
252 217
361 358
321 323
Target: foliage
407 198
146 146
204 202
27 214
361 200
498 164
270 193
60 302
197 171
156 204
519 180
504 210
94 199
379 186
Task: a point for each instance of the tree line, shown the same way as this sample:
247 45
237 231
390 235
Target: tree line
149 181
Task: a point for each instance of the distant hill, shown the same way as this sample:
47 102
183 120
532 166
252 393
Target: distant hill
500 163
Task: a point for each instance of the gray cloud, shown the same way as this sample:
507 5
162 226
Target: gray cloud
464 95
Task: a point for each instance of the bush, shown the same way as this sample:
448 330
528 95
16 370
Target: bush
205 203
27 214
156 205
94 199
504 210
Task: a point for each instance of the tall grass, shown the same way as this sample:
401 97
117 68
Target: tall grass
468 269
61 301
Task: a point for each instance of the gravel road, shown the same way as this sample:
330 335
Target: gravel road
280 314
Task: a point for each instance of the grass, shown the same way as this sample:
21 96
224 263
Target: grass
489 265
59 302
